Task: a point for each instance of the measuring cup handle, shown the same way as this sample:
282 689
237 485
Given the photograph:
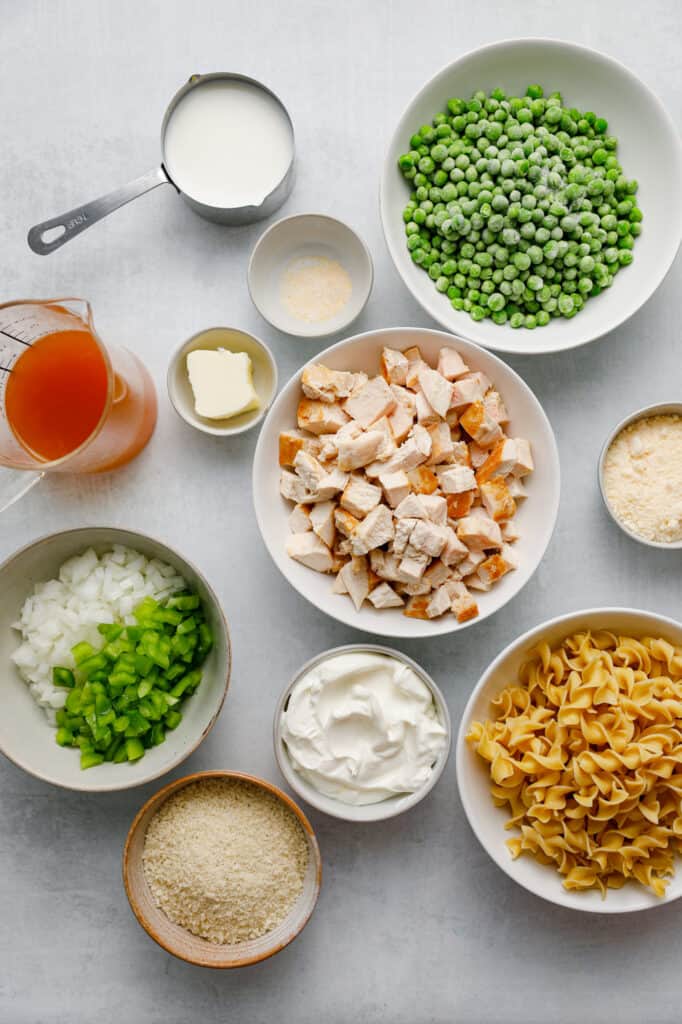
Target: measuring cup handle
80 218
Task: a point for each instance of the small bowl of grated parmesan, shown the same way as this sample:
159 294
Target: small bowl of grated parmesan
640 475
222 869
310 275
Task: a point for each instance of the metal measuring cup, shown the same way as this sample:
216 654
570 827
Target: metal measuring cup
79 219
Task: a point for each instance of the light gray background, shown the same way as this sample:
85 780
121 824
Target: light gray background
415 924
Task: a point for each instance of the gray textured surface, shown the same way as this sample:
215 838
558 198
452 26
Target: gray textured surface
415 923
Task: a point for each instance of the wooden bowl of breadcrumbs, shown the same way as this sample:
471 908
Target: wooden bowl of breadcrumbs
222 869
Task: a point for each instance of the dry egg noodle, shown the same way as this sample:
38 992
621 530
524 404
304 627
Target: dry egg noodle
586 750
225 860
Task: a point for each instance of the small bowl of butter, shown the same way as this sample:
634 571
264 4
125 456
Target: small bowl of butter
222 381
362 733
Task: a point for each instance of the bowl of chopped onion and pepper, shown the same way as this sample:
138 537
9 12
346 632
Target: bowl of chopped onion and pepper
530 195
118 658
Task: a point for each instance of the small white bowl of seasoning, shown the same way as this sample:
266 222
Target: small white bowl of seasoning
640 475
222 381
310 275
362 733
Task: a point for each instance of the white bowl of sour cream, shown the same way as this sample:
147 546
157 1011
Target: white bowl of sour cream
362 733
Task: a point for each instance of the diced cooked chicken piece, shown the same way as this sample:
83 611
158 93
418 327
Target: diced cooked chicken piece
462 603
403 530
442 445
495 407
320 417
471 562
457 479
509 530
406 398
338 586
475 582
467 390
372 401
426 414
341 547
290 442
299 520
412 565
516 487
416 607
497 501
374 530
414 364
422 586
454 551
452 420
436 508
310 470
476 455
384 596
308 549
437 573
437 389
322 521
292 487
411 507
401 421
394 366
333 482
412 353
388 445
423 480
479 425
319 382
500 462
459 505
396 486
355 578
359 451
411 453
361 379
439 603
360 496
385 564
344 522
451 364
479 531
428 537
524 459
494 568
329 443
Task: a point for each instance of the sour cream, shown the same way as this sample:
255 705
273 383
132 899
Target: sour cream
362 727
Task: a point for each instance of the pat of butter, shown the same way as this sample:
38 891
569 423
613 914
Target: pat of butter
222 383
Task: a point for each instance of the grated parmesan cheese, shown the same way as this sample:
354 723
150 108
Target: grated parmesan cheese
225 860
643 478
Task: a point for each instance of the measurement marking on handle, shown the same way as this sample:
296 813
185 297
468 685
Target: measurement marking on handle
14 338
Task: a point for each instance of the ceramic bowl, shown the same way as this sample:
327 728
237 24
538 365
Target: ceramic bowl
649 150
233 340
488 821
177 940
536 516
304 236
660 409
336 808
27 738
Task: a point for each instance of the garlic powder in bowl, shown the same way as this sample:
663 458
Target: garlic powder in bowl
641 475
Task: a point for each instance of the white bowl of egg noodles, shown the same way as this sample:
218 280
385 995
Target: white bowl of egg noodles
576 728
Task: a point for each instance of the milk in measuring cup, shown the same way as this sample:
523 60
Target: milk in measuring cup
228 144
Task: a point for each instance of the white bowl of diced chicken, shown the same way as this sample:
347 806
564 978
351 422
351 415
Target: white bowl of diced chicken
406 482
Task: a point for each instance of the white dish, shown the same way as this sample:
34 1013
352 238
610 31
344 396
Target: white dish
660 409
536 516
336 808
308 235
649 150
27 738
473 776
233 340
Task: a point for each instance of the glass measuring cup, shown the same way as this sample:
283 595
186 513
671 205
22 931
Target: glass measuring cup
67 403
